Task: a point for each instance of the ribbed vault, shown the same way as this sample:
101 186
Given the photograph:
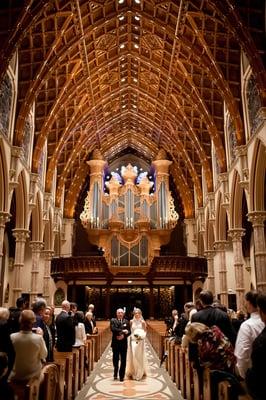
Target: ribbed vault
139 74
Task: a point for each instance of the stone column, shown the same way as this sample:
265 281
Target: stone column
4 218
47 254
36 248
210 279
257 218
21 236
220 247
236 235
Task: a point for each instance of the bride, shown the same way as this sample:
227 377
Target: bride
136 359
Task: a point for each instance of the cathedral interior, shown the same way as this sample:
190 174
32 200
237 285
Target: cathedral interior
132 152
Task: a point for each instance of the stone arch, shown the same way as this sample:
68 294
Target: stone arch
48 236
221 226
235 212
3 179
258 178
21 194
36 234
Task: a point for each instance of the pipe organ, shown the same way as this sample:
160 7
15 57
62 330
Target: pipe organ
130 220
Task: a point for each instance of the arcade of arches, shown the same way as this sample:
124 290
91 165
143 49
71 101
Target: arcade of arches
132 151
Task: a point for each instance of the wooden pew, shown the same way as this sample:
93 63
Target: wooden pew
75 372
67 359
26 390
81 376
50 388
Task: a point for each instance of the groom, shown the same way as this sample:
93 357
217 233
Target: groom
120 328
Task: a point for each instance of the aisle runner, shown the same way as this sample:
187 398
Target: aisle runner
101 386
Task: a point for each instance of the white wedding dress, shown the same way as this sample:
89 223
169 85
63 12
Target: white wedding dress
136 367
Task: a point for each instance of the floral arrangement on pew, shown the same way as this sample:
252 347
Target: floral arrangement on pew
139 334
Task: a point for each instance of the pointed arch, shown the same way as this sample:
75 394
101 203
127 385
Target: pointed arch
3 179
48 236
221 227
37 222
258 178
21 194
235 212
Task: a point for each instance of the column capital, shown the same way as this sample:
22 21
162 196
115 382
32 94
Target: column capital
48 254
20 234
257 218
220 245
4 218
236 234
209 254
36 246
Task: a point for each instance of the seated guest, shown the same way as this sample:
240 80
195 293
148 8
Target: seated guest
65 328
47 335
6 392
90 328
29 347
255 376
80 330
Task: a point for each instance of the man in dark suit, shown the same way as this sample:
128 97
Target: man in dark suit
65 328
210 316
255 377
120 328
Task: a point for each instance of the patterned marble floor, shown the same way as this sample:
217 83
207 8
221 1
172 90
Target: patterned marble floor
156 386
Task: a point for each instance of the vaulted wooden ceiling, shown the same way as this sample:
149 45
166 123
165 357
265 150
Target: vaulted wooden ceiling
131 74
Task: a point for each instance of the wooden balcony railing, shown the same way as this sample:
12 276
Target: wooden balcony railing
96 268
167 266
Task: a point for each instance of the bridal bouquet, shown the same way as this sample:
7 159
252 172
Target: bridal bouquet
139 334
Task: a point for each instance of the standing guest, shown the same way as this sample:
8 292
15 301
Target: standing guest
73 308
51 322
90 328
210 316
248 332
39 307
238 319
6 392
47 335
255 376
121 330
80 338
91 309
171 322
65 327
29 347
5 341
13 321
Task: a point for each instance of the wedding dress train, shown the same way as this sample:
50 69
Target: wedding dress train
136 367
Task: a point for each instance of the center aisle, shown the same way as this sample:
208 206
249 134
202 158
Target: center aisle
156 386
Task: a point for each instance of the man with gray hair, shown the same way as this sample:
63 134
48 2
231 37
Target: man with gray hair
65 328
120 328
